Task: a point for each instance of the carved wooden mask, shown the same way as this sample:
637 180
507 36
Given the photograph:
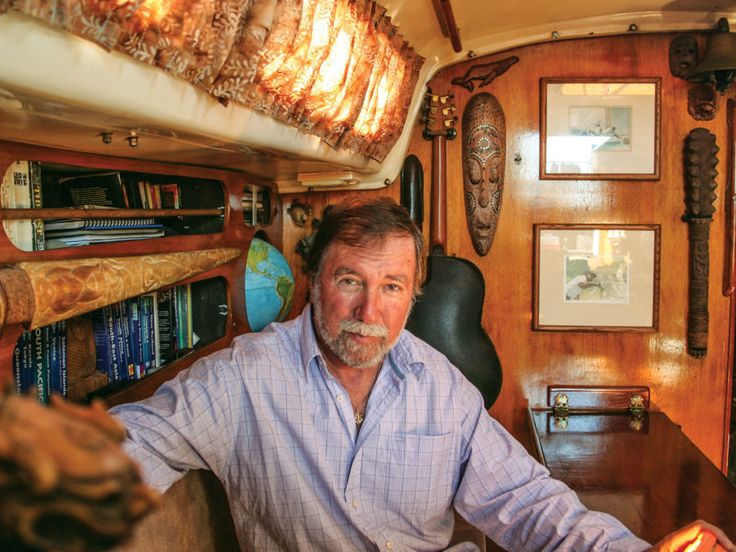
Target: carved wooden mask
484 158
684 55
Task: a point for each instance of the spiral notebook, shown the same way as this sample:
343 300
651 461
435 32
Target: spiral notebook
92 224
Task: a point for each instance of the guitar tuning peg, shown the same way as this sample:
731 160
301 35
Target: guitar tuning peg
449 123
433 109
449 110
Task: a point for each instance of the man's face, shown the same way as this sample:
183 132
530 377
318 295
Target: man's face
362 298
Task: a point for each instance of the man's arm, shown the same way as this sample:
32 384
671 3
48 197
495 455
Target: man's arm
185 425
512 498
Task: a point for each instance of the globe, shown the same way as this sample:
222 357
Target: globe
269 285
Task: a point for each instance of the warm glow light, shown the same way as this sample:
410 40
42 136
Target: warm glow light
335 68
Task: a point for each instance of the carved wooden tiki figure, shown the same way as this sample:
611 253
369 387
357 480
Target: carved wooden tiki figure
484 158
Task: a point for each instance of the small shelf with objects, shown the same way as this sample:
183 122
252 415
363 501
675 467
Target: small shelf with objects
119 272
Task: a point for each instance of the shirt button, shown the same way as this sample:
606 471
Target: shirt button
390 545
356 504
339 398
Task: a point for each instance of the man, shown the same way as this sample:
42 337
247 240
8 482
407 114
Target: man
341 431
583 281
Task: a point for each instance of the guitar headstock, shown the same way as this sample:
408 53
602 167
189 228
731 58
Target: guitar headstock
438 116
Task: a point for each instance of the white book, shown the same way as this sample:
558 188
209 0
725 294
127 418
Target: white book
17 182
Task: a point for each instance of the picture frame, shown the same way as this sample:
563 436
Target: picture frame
596 277
600 128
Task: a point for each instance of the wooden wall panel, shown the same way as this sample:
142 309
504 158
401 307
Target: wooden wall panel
694 393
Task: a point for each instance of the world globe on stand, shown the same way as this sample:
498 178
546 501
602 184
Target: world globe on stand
269 285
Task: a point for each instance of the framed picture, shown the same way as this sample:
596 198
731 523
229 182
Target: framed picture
600 129
596 277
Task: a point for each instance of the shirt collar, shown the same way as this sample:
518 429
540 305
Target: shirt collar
404 356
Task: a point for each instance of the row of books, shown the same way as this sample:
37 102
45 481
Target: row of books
132 338
40 362
136 337
22 188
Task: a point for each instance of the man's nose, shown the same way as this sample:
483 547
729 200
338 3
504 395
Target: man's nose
368 309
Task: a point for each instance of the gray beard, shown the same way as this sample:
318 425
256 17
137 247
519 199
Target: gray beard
350 353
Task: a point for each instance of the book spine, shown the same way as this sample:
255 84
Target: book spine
103 357
7 200
18 363
166 335
119 337
128 345
40 364
145 308
28 373
51 337
152 299
155 335
113 370
63 372
22 188
34 172
136 343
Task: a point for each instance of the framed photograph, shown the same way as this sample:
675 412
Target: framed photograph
596 277
600 129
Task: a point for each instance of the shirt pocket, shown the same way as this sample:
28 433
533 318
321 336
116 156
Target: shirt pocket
423 470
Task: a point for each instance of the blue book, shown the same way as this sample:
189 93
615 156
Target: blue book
103 356
119 341
146 343
136 341
51 338
63 373
128 364
18 366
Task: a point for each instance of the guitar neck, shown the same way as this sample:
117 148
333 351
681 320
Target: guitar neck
439 137
438 203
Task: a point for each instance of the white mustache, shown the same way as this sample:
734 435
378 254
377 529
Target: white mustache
361 328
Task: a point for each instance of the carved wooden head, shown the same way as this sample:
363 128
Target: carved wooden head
684 55
701 102
484 158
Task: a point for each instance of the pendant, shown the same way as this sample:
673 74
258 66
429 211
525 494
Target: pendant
358 417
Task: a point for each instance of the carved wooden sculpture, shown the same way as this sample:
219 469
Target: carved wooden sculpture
700 185
39 293
684 55
485 73
701 102
65 483
484 159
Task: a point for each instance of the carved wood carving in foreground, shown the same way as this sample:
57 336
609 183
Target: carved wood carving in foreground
65 483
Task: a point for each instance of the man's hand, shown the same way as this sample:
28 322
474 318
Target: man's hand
699 536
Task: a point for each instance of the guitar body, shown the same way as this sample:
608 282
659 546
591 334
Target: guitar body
448 317
448 313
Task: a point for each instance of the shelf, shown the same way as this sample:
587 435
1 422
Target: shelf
71 212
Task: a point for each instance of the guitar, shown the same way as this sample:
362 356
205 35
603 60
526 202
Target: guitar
448 313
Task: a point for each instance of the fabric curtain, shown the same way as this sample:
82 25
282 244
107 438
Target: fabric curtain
337 69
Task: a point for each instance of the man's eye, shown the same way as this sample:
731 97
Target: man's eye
348 282
394 288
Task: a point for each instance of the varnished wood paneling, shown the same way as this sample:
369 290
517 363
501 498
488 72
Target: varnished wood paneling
694 393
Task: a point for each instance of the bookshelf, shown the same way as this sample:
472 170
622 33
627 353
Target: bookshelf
208 217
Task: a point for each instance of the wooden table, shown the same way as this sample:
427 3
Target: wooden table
643 470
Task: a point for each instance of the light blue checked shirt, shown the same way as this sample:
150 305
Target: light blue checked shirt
277 429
